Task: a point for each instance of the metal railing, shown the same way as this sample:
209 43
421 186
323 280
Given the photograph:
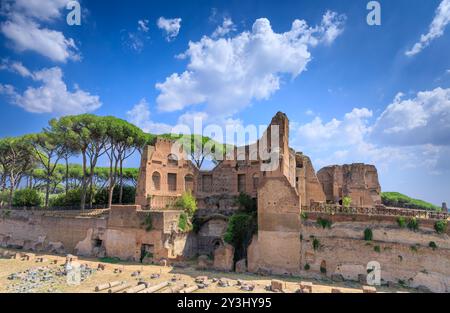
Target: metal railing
379 210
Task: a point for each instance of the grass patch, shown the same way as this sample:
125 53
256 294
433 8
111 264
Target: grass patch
109 260
414 248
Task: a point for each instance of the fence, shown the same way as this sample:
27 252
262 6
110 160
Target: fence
379 210
59 208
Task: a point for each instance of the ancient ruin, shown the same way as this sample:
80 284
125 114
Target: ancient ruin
304 228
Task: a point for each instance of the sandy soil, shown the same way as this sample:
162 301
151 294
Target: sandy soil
123 272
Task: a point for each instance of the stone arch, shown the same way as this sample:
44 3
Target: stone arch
156 181
172 160
216 243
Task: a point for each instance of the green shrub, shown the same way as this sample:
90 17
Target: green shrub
183 223
401 221
27 198
128 195
239 233
72 198
413 248
188 203
304 216
413 224
307 267
346 201
440 226
316 244
432 245
246 203
325 223
377 249
368 235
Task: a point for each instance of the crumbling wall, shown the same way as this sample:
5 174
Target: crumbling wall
405 256
35 231
278 226
358 181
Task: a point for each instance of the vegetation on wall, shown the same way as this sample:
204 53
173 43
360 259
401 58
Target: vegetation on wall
396 199
241 227
316 244
440 226
432 245
148 222
187 203
246 203
401 221
325 223
346 201
413 224
368 235
184 224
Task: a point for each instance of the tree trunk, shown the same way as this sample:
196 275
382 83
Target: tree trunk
11 192
83 183
111 179
67 174
121 181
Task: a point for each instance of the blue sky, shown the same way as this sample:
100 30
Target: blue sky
353 92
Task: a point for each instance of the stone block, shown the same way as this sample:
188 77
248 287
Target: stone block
241 266
369 289
276 285
223 258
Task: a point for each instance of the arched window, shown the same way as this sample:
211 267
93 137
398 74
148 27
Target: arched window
156 181
172 160
189 183
255 181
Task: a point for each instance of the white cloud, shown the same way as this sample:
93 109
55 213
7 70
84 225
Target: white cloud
424 119
170 26
136 40
139 115
228 74
143 25
52 96
436 28
318 135
226 27
23 28
410 133
15 67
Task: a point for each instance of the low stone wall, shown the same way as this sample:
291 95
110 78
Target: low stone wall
45 230
405 256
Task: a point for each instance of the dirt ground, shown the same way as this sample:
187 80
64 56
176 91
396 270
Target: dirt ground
134 272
